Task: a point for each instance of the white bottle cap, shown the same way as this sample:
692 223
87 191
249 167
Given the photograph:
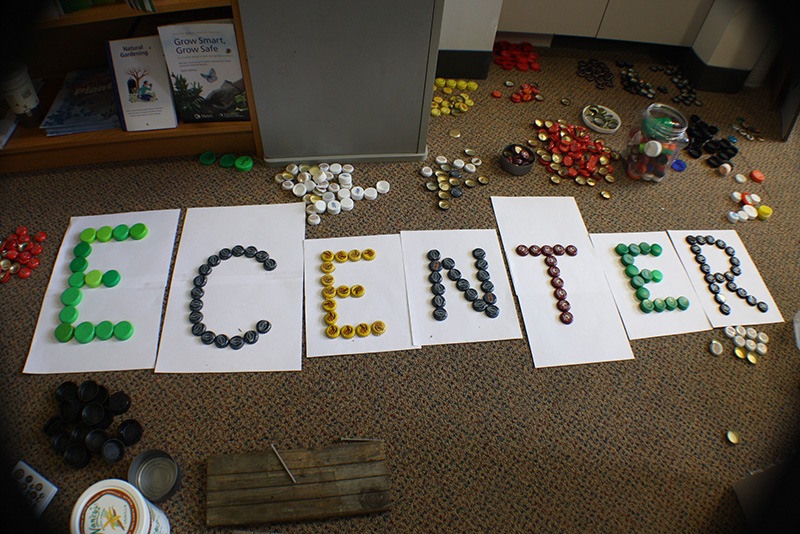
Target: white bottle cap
427 172
280 178
382 186
736 196
347 204
343 193
724 169
470 167
458 163
313 219
755 199
327 196
333 187
751 211
345 179
347 168
357 193
740 178
652 148
335 168
320 176
320 206
334 207
476 161
293 168
370 193
323 167
304 177
733 216
288 185
322 187
743 216
311 208
441 160
299 190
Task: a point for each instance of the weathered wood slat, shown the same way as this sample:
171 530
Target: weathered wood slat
297 492
365 503
344 453
303 476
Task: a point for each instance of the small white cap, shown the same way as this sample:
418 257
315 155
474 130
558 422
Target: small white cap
345 179
751 333
319 176
736 196
470 167
750 345
751 211
334 207
761 348
743 216
730 332
762 337
755 199
715 347
652 148
288 185
329 175
382 186
323 167
740 178
333 187
320 206
311 208
741 330
733 216
739 341
280 178
441 160
313 219
299 190
304 177
347 168
293 168
370 193
426 171
346 203
458 163
343 193
327 196
724 169
476 161
321 187
357 193
335 168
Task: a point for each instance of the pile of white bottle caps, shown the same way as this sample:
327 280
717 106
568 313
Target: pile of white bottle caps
748 343
326 188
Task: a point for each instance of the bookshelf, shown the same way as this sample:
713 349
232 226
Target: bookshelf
30 149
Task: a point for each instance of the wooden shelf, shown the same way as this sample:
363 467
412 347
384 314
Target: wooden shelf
120 10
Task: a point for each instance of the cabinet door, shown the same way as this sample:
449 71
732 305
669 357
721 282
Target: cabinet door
342 79
578 17
655 21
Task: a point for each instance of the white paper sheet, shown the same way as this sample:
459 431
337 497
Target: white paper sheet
750 279
675 283
463 323
239 291
597 333
144 269
384 298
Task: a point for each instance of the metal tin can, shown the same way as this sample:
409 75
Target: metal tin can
114 505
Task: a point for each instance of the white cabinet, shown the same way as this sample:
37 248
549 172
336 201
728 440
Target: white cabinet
578 17
654 21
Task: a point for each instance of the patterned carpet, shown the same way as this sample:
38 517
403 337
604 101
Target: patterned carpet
477 438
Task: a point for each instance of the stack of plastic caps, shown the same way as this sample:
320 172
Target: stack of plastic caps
518 56
326 188
457 98
749 207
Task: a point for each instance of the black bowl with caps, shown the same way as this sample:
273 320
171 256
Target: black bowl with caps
517 159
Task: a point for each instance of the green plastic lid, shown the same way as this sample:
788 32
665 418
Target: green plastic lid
647 274
656 250
208 158
84 332
657 276
631 271
637 282
69 314
227 161
121 232
683 303
78 265
244 163
138 231
123 330
642 293
71 296
104 234
646 305
82 250
64 332
76 280
634 250
111 278
645 248
671 303
89 235
94 278
627 259
621 249
104 330
659 305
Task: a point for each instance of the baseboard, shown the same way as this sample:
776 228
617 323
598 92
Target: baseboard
470 64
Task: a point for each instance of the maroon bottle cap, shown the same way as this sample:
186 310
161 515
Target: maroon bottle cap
95 439
77 455
129 431
113 450
119 403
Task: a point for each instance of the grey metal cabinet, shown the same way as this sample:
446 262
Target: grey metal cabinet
342 80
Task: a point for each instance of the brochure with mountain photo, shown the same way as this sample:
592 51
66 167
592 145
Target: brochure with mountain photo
205 71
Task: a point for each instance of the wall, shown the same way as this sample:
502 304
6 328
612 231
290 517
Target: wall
467 37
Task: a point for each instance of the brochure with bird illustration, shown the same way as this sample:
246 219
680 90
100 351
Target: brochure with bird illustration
205 71
142 84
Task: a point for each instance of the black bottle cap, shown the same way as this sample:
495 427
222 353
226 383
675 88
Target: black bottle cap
93 413
54 425
129 431
113 450
102 395
67 390
95 439
119 403
107 419
61 441
79 432
87 390
77 455
70 410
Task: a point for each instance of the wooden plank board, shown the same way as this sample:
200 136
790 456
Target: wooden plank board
334 481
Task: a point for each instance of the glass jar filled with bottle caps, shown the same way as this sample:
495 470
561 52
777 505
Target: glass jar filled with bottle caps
654 142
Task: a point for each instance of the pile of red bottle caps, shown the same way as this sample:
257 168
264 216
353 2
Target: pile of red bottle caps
516 55
20 253
575 150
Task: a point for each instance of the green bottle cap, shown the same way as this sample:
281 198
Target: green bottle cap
637 282
84 332
82 250
227 161
138 231
657 276
78 265
69 314
627 259
631 271
646 306
76 280
208 158
647 274
123 330
104 234
683 303
621 249
104 330
64 332
671 303
656 250
94 278
659 305
71 296
644 248
634 250
111 278
89 235
121 232
244 163
642 293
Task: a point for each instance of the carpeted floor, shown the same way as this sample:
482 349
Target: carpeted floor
477 438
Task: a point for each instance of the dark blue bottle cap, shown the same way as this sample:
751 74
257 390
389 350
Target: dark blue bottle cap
113 450
87 390
95 439
129 431
119 402
77 455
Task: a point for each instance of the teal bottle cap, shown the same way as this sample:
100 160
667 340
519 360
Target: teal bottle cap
627 259
69 314
111 278
646 306
104 330
64 332
82 250
645 248
659 305
657 275
208 158
138 231
227 161
121 232
671 303
84 332
89 235
104 234
71 296
647 274
76 280
621 249
656 249
123 330
78 265
631 271
634 250
244 163
683 303
642 293
637 282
